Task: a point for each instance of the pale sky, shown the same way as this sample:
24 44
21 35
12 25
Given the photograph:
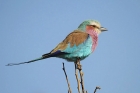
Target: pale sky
30 28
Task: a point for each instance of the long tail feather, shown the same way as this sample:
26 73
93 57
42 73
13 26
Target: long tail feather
43 57
11 64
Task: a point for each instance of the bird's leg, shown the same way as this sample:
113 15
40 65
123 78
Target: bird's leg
78 66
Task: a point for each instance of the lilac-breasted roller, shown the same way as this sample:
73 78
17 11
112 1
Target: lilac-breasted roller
79 44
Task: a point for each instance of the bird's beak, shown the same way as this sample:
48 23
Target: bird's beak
103 29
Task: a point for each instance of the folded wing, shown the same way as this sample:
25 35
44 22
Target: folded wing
71 41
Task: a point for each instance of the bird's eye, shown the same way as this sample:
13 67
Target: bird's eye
93 26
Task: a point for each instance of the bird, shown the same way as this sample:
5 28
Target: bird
77 45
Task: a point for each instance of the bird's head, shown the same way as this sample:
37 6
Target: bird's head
91 25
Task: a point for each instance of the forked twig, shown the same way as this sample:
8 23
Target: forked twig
97 87
69 90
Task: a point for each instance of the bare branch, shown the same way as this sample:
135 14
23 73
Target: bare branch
69 90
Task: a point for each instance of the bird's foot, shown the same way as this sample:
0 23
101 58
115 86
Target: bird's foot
79 67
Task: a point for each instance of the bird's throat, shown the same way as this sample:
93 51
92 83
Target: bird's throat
92 32
94 36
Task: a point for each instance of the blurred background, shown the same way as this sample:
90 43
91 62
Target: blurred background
30 28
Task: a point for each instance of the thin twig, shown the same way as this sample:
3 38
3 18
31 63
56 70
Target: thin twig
78 81
97 87
69 90
82 80
81 75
